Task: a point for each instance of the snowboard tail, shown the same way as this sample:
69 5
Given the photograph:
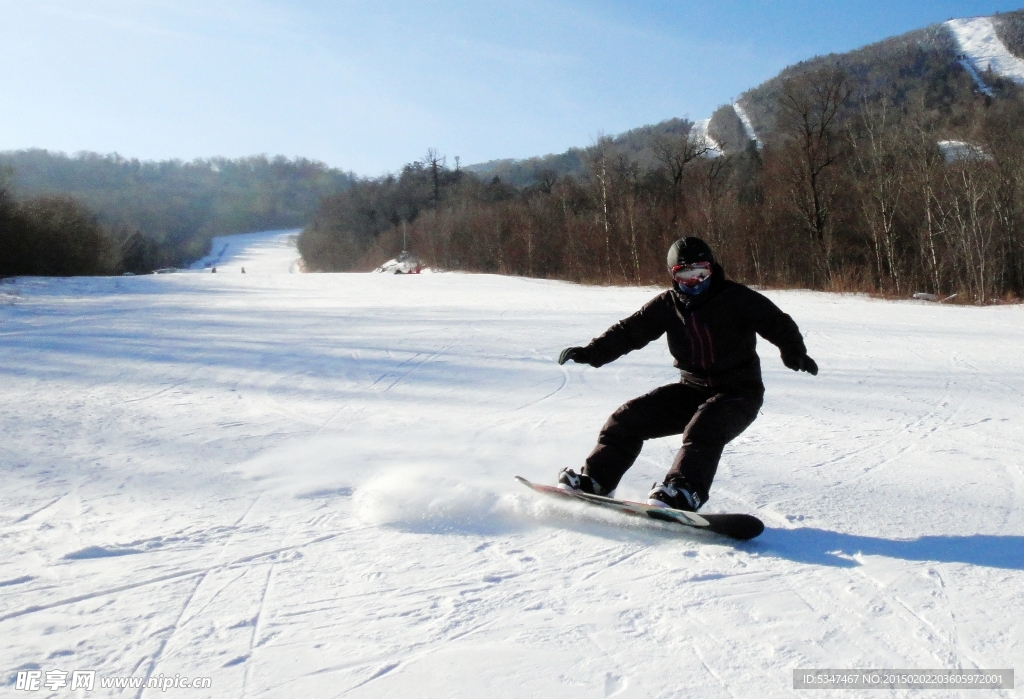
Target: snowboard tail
734 526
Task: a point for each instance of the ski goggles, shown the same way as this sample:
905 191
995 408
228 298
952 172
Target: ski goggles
691 274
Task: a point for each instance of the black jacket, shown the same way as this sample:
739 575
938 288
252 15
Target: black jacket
712 336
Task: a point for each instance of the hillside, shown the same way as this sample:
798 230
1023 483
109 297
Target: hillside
165 213
930 70
923 71
636 144
894 169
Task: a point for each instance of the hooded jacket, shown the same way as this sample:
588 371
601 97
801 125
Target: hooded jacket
712 336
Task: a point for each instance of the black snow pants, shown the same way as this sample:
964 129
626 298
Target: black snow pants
707 418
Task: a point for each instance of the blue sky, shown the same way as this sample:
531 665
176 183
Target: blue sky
368 86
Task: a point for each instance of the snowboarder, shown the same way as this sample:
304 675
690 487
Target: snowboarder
711 325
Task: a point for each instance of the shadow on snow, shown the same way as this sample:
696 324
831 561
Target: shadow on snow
822 547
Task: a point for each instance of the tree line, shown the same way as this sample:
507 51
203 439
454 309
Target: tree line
53 236
849 191
104 214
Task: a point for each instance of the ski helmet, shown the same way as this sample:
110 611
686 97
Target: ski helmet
686 251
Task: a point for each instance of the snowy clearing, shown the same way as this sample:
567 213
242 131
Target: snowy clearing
301 486
981 45
953 151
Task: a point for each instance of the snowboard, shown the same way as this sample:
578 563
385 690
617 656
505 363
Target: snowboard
734 526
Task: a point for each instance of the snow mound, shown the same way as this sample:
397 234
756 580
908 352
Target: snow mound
405 263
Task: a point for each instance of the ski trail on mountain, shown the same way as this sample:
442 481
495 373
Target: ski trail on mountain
984 50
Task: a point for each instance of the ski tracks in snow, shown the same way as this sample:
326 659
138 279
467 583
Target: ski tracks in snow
170 633
955 394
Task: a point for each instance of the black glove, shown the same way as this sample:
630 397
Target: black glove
801 363
580 355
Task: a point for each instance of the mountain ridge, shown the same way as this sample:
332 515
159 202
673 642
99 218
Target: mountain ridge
931 66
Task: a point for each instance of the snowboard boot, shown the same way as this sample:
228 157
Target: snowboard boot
570 480
677 494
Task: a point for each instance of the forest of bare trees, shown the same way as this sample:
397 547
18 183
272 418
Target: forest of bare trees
846 193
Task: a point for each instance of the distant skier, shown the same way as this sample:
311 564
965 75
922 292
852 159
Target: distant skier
711 323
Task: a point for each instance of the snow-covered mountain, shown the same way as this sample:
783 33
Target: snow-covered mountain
943 63
301 486
962 55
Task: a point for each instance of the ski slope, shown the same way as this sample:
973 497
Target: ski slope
700 132
300 485
982 49
748 125
266 252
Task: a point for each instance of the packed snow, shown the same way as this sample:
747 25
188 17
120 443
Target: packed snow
982 49
301 485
